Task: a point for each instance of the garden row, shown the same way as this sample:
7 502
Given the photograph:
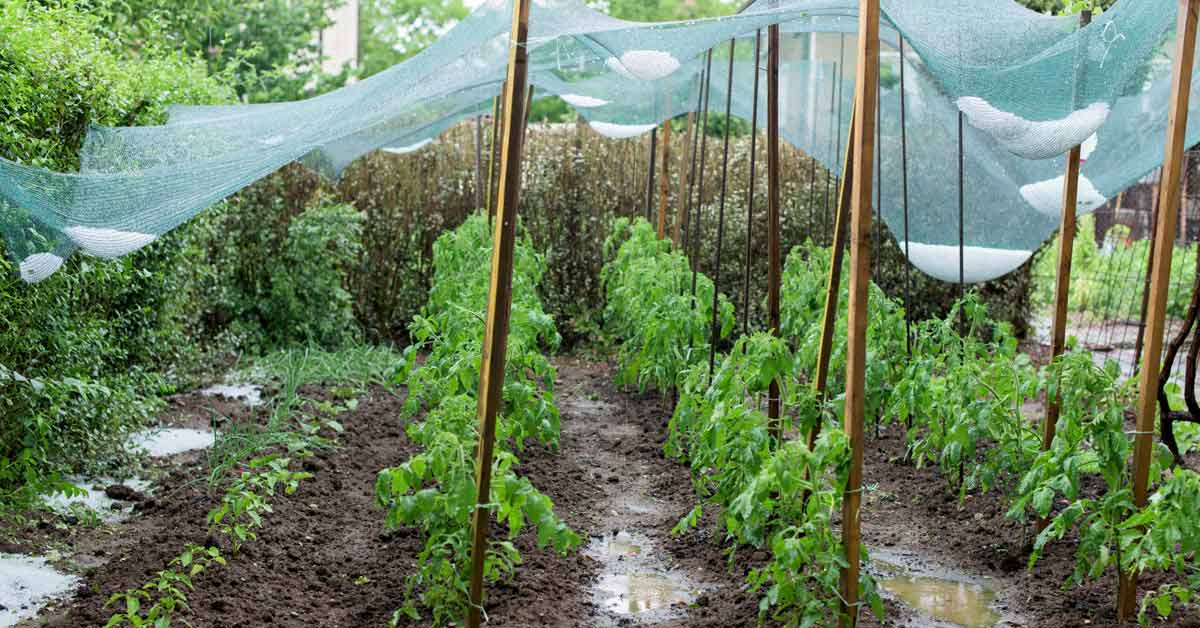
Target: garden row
957 386
434 490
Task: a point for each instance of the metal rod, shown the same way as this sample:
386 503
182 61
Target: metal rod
685 178
904 195
478 163
962 209
492 151
701 106
698 207
714 330
650 172
750 193
773 213
664 179
495 340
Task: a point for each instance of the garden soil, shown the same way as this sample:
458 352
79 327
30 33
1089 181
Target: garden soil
324 559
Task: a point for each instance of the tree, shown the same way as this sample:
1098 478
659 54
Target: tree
665 10
391 31
270 46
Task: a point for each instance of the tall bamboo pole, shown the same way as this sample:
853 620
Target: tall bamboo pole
866 95
773 261
1062 285
1164 237
495 339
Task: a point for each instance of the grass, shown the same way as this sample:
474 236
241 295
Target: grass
353 369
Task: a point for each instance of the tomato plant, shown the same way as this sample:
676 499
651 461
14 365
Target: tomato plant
434 490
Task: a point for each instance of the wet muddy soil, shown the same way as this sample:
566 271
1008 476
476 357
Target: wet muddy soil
323 558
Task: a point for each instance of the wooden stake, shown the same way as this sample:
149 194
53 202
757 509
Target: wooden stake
1062 285
866 95
478 163
829 318
1164 239
495 338
685 179
650 172
525 120
492 154
664 181
1141 337
773 256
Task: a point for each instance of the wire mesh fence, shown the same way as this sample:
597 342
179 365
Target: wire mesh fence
1109 279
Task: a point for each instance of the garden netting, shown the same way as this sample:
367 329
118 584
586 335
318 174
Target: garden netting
1029 86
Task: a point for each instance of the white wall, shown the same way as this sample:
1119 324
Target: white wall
339 42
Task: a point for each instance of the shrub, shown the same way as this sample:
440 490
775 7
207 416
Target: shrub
83 341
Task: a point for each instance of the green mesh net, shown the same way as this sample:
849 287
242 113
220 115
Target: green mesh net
1029 86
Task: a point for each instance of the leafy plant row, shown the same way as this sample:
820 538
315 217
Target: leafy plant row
960 395
237 519
662 328
435 489
963 392
778 495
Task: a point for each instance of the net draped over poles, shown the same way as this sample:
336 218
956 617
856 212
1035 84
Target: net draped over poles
1031 86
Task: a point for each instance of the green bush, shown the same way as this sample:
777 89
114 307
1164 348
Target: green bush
274 267
60 72
308 300
84 341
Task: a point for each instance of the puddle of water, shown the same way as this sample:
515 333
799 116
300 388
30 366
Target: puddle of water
168 442
251 394
946 601
26 585
640 592
620 545
94 498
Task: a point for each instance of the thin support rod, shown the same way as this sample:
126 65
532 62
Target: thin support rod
1141 335
478 163
698 206
685 178
1164 235
866 94
649 204
774 265
697 149
833 287
962 210
714 328
492 152
840 82
664 180
495 338
904 195
1062 284
750 192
